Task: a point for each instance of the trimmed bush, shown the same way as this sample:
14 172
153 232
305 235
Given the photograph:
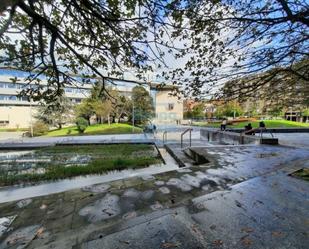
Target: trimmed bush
81 124
39 128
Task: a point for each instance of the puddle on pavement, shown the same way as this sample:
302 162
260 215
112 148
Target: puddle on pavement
23 203
98 188
20 238
102 209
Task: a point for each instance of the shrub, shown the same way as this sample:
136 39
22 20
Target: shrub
39 128
81 124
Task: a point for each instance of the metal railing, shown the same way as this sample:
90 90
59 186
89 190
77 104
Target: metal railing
264 130
164 137
190 136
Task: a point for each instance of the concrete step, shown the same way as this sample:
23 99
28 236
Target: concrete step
178 154
197 157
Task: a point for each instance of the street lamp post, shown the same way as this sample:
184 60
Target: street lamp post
31 125
133 116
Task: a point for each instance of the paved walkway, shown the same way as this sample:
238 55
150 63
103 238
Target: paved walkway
173 135
10 135
293 139
242 198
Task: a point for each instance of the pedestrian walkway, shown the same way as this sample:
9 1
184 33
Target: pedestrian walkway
243 198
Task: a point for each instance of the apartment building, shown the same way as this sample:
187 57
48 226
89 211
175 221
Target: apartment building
18 112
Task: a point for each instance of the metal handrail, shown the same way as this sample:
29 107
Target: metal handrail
265 130
190 136
164 137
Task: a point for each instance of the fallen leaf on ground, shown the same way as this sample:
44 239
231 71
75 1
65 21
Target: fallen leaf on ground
217 242
194 228
247 230
169 245
246 241
276 234
40 231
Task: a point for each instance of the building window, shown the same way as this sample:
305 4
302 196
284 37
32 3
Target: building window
11 85
68 90
4 122
170 106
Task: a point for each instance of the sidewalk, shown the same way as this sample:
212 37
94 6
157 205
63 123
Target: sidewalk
243 198
49 141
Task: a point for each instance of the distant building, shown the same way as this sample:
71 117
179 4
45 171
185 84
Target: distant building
297 116
167 102
18 112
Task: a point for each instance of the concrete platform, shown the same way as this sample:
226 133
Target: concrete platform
243 198
234 138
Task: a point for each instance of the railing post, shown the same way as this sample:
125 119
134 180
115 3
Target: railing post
164 136
182 134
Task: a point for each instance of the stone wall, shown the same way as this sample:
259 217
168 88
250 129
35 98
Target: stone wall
226 137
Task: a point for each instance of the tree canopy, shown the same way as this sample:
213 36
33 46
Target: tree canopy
233 39
57 113
197 44
141 105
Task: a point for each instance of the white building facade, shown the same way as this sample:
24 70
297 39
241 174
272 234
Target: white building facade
17 112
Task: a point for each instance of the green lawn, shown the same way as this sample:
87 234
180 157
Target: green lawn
76 160
97 129
255 124
13 129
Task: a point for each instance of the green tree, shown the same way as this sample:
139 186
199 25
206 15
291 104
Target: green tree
198 111
64 37
102 109
81 124
229 109
276 111
233 39
56 113
85 109
121 108
141 105
305 112
188 114
67 37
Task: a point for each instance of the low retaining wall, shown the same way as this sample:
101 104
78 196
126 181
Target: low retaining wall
234 138
273 130
38 145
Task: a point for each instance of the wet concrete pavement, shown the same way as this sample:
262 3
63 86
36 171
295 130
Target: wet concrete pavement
294 139
242 198
10 136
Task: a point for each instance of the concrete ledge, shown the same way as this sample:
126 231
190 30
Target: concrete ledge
273 130
271 141
227 137
37 145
